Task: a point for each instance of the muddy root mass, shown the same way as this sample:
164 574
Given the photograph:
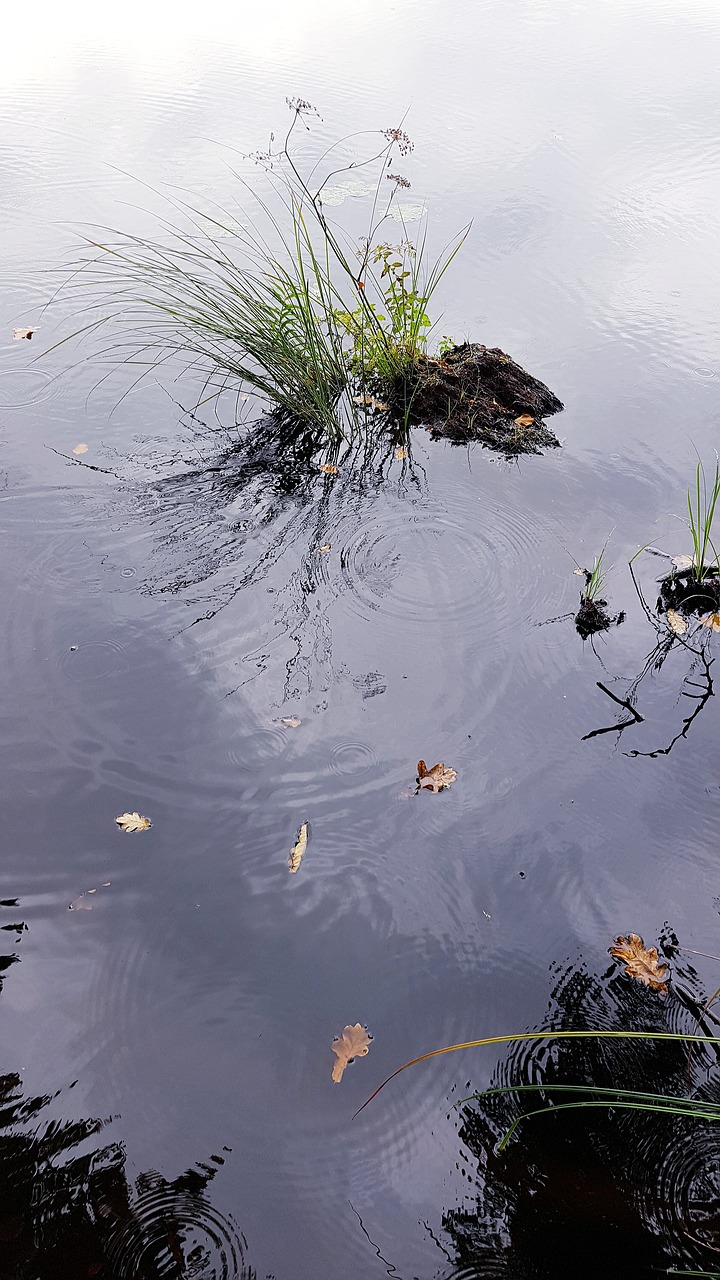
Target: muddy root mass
477 393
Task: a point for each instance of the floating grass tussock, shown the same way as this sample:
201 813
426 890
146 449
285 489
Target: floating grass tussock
318 326
693 586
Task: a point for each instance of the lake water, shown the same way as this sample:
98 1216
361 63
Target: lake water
168 1108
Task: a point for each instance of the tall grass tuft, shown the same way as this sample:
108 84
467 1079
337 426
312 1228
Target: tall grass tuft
289 308
702 501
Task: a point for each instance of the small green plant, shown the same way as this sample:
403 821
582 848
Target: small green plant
702 501
388 345
595 578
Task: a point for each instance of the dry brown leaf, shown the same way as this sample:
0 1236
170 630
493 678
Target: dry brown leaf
80 448
434 779
326 546
291 722
641 963
525 420
711 620
371 403
400 453
133 822
297 853
353 1043
676 622
579 572
328 469
23 333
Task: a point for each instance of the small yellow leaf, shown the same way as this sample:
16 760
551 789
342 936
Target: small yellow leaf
133 822
711 620
434 779
297 852
400 453
80 448
326 546
676 622
23 333
353 1043
525 420
641 963
328 469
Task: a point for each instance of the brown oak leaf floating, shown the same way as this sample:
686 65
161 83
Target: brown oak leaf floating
641 963
434 779
676 622
297 853
353 1043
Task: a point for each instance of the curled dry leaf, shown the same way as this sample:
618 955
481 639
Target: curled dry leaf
682 562
676 622
580 573
328 469
525 420
353 1043
133 822
326 546
80 448
377 405
297 853
641 963
434 779
711 620
291 722
23 333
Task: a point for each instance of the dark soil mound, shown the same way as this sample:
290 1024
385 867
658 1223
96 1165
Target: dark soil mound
592 616
682 592
480 393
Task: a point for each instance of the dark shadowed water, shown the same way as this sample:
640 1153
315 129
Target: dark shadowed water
166 1107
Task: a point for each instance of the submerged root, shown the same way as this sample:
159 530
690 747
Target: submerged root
478 393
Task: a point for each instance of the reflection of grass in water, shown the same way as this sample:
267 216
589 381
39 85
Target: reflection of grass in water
298 312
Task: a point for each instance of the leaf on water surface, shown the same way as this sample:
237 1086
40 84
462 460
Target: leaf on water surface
580 572
80 904
641 963
328 469
23 333
80 448
711 620
297 853
525 420
353 1043
434 779
326 546
676 622
133 822
682 562
291 722
400 453
371 403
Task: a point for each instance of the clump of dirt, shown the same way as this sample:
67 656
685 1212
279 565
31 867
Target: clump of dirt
686 594
479 393
593 616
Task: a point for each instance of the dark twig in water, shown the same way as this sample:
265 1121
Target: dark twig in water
389 1266
78 462
701 698
623 724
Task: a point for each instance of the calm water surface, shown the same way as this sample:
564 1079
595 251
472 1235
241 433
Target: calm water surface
167 1106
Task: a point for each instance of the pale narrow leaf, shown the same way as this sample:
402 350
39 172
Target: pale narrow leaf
297 853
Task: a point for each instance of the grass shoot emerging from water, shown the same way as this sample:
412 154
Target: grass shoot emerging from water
702 501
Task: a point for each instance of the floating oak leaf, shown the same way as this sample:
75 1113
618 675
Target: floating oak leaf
23 333
133 822
711 620
328 469
80 448
435 779
297 853
682 562
676 622
525 420
291 722
353 1043
641 963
